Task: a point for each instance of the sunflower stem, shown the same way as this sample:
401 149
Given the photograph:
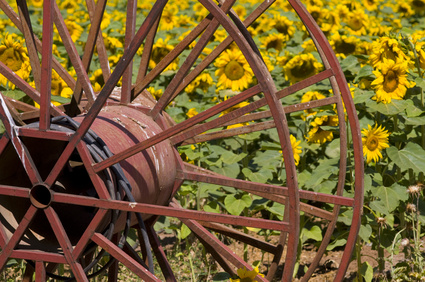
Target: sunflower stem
359 258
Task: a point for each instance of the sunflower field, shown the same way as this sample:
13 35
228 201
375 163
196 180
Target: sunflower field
381 48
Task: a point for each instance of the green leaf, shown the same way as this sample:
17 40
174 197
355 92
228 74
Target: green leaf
206 188
361 96
221 276
365 232
379 206
184 231
414 120
390 109
346 217
367 271
413 110
333 148
14 94
60 99
420 82
230 158
236 206
277 210
367 70
261 176
250 136
337 243
388 196
231 170
410 156
314 233
351 64
401 192
212 207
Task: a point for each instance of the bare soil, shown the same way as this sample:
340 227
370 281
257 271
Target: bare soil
326 270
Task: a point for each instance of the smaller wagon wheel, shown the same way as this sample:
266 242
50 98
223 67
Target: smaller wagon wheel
76 174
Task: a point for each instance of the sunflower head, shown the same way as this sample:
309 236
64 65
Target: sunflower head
374 141
391 81
14 55
191 112
344 45
386 48
317 133
202 82
233 71
418 6
159 50
245 275
74 29
296 149
301 67
274 41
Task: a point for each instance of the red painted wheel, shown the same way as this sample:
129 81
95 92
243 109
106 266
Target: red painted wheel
76 178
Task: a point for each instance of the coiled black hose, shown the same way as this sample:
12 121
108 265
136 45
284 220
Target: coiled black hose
117 186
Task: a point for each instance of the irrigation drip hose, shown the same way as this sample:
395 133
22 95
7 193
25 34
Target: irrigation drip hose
117 185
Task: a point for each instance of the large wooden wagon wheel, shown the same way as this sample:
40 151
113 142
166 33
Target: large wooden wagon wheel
75 178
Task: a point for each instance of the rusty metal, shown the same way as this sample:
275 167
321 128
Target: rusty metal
56 200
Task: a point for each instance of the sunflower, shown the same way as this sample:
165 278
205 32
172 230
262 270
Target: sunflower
319 135
74 29
374 141
376 28
112 43
276 41
233 71
58 84
202 82
371 5
262 25
421 53
301 67
357 22
219 35
156 93
168 20
403 8
420 49
309 46
344 45
342 11
386 47
184 21
283 25
418 6
240 11
14 55
36 3
200 11
311 96
67 92
245 275
296 149
191 112
97 80
159 50
316 12
69 5
330 21
391 81
237 106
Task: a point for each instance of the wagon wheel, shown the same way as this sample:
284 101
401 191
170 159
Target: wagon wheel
72 199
